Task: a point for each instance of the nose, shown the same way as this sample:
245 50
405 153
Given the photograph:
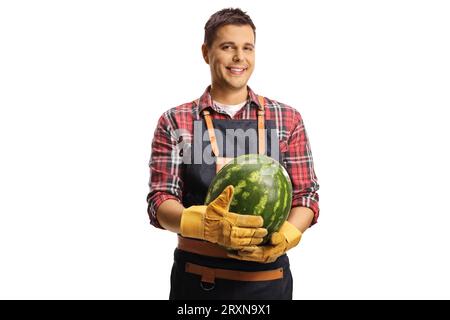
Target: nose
238 56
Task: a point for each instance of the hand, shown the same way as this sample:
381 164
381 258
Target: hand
286 238
216 224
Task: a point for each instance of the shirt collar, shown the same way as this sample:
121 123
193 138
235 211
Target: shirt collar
206 101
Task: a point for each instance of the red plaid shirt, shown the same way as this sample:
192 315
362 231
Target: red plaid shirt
166 176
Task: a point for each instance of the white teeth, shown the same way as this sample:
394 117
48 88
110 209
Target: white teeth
236 70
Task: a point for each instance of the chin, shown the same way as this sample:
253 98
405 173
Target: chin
239 85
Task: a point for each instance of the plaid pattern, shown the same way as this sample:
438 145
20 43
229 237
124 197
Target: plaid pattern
176 125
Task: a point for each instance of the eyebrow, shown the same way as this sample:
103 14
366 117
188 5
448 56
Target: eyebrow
232 43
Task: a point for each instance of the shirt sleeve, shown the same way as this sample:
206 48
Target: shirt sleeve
299 164
165 165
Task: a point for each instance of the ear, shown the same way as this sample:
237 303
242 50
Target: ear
205 53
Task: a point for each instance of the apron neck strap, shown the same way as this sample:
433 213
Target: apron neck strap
211 133
261 131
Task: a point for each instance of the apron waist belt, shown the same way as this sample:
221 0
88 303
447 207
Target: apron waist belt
210 274
203 248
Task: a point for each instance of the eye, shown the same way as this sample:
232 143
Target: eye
248 48
226 47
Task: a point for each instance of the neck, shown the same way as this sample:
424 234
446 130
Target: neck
228 96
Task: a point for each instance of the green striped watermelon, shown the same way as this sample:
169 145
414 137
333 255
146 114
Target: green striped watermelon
261 187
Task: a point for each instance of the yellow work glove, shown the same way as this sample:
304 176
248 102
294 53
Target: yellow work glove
216 224
286 238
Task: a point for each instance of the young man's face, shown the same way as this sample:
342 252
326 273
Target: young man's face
231 57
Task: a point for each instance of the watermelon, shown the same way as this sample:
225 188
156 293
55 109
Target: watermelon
261 187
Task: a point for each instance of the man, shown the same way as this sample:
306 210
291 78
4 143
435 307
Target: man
203 268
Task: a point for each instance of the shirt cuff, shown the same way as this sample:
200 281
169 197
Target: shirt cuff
310 203
153 204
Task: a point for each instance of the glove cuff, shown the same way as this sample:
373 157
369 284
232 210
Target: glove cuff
192 222
292 234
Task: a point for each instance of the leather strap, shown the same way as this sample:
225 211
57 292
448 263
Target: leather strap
210 274
203 248
221 161
261 131
211 133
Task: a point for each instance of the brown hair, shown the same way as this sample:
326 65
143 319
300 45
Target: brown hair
225 17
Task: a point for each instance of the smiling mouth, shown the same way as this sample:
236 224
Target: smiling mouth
236 71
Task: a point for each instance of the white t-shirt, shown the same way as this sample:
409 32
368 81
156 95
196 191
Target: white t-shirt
230 109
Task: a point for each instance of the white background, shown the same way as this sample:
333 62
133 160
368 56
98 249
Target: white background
82 84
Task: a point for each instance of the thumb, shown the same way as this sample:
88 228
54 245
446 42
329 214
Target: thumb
224 199
276 238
